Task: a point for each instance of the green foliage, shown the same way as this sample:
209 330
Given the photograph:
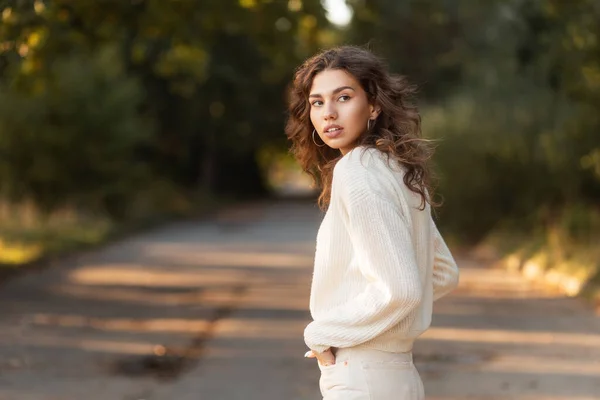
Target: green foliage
103 105
188 94
138 110
512 90
74 140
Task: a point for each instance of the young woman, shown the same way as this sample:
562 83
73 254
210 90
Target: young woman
380 261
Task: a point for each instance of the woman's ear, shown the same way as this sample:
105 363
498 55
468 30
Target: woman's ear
374 111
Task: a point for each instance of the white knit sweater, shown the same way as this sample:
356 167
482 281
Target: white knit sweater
380 262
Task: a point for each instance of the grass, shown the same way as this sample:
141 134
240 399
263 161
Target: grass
23 245
27 238
565 259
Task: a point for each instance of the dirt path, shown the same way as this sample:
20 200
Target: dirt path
500 337
215 310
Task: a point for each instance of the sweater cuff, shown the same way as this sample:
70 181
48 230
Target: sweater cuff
317 348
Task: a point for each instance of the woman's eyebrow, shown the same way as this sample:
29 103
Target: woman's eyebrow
334 91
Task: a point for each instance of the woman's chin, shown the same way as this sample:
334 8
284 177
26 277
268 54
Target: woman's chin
341 145
336 143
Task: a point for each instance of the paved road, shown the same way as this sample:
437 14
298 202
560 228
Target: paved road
216 309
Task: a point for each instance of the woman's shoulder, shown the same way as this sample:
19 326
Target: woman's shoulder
366 170
367 160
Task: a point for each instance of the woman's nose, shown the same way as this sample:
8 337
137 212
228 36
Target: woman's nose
330 113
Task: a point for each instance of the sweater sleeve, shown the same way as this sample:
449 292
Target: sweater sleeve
383 246
445 270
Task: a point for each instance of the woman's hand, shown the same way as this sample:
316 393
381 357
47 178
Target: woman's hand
325 358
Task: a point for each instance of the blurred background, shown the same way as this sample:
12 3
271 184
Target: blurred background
165 118
117 114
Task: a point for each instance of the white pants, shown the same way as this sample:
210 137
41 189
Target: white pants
365 374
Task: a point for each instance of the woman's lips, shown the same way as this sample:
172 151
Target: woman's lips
334 134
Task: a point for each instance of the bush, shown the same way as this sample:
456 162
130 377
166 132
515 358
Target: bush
511 160
71 136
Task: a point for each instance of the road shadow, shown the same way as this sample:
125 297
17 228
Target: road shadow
217 310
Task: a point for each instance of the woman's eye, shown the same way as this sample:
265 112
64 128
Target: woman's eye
317 103
344 98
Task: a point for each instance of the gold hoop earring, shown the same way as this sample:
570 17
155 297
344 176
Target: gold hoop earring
314 141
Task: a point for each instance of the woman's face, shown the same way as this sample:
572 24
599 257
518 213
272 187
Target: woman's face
339 109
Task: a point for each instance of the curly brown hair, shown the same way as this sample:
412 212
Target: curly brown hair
396 132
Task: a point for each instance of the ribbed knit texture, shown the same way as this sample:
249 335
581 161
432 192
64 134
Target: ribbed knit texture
380 261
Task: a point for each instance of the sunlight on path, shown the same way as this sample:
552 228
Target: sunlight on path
216 309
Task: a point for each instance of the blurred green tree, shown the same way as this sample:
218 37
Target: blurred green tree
70 141
210 79
512 89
